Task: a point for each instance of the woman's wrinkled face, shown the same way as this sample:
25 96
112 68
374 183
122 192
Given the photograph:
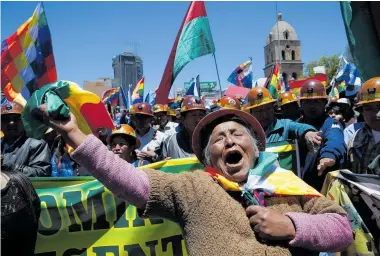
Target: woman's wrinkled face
232 152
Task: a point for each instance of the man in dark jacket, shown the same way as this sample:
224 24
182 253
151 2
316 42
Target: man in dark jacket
364 146
331 155
29 156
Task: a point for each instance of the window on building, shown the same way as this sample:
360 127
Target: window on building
293 55
267 58
283 54
270 37
294 75
286 34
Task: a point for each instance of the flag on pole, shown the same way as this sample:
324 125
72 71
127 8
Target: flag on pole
147 98
124 97
242 75
194 88
27 60
273 83
295 85
138 92
193 40
111 96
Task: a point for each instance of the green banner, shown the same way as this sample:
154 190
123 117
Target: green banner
79 216
205 86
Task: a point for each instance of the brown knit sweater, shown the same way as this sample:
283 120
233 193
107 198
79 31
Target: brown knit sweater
213 222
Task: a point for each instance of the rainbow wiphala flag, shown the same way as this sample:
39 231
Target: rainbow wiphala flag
111 96
27 60
138 92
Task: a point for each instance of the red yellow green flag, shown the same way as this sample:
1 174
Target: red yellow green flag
273 83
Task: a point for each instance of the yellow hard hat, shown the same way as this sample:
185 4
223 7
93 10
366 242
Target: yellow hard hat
370 91
286 98
160 108
172 112
125 130
257 97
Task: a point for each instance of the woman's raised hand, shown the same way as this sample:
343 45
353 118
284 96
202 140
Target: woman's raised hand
67 128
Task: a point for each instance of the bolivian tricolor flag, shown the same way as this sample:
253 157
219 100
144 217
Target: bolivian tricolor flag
273 83
61 98
295 85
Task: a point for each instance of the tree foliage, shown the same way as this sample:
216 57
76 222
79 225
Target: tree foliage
331 63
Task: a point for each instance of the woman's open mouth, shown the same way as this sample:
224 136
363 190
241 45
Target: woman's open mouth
233 158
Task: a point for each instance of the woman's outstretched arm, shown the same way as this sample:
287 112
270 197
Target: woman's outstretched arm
125 181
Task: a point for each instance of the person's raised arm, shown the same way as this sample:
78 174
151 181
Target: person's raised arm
125 181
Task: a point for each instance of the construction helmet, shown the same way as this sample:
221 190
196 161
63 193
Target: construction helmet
286 98
370 91
11 108
125 130
172 112
229 102
313 89
142 109
258 96
160 108
192 103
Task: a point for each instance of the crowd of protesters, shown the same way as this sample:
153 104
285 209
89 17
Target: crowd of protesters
231 138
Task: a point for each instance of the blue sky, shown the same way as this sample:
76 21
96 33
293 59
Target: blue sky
86 35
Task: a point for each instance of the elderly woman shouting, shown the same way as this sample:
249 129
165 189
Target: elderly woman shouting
209 205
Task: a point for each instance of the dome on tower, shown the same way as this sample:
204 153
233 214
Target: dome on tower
287 32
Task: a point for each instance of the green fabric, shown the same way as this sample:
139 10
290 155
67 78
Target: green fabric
195 41
58 110
262 167
362 39
287 160
265 160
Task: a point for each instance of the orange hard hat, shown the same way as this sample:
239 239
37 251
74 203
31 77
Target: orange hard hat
370 91
1 134
11 108
313 89
286 98
258 96
142 109
125 130
160 108
229 102
192 103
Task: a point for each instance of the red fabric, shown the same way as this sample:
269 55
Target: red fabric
197 9
237 91
101 119
293 84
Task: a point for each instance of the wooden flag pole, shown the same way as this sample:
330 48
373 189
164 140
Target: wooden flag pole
217 72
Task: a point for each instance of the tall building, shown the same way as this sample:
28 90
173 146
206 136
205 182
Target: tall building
128 70
282 42
99 86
